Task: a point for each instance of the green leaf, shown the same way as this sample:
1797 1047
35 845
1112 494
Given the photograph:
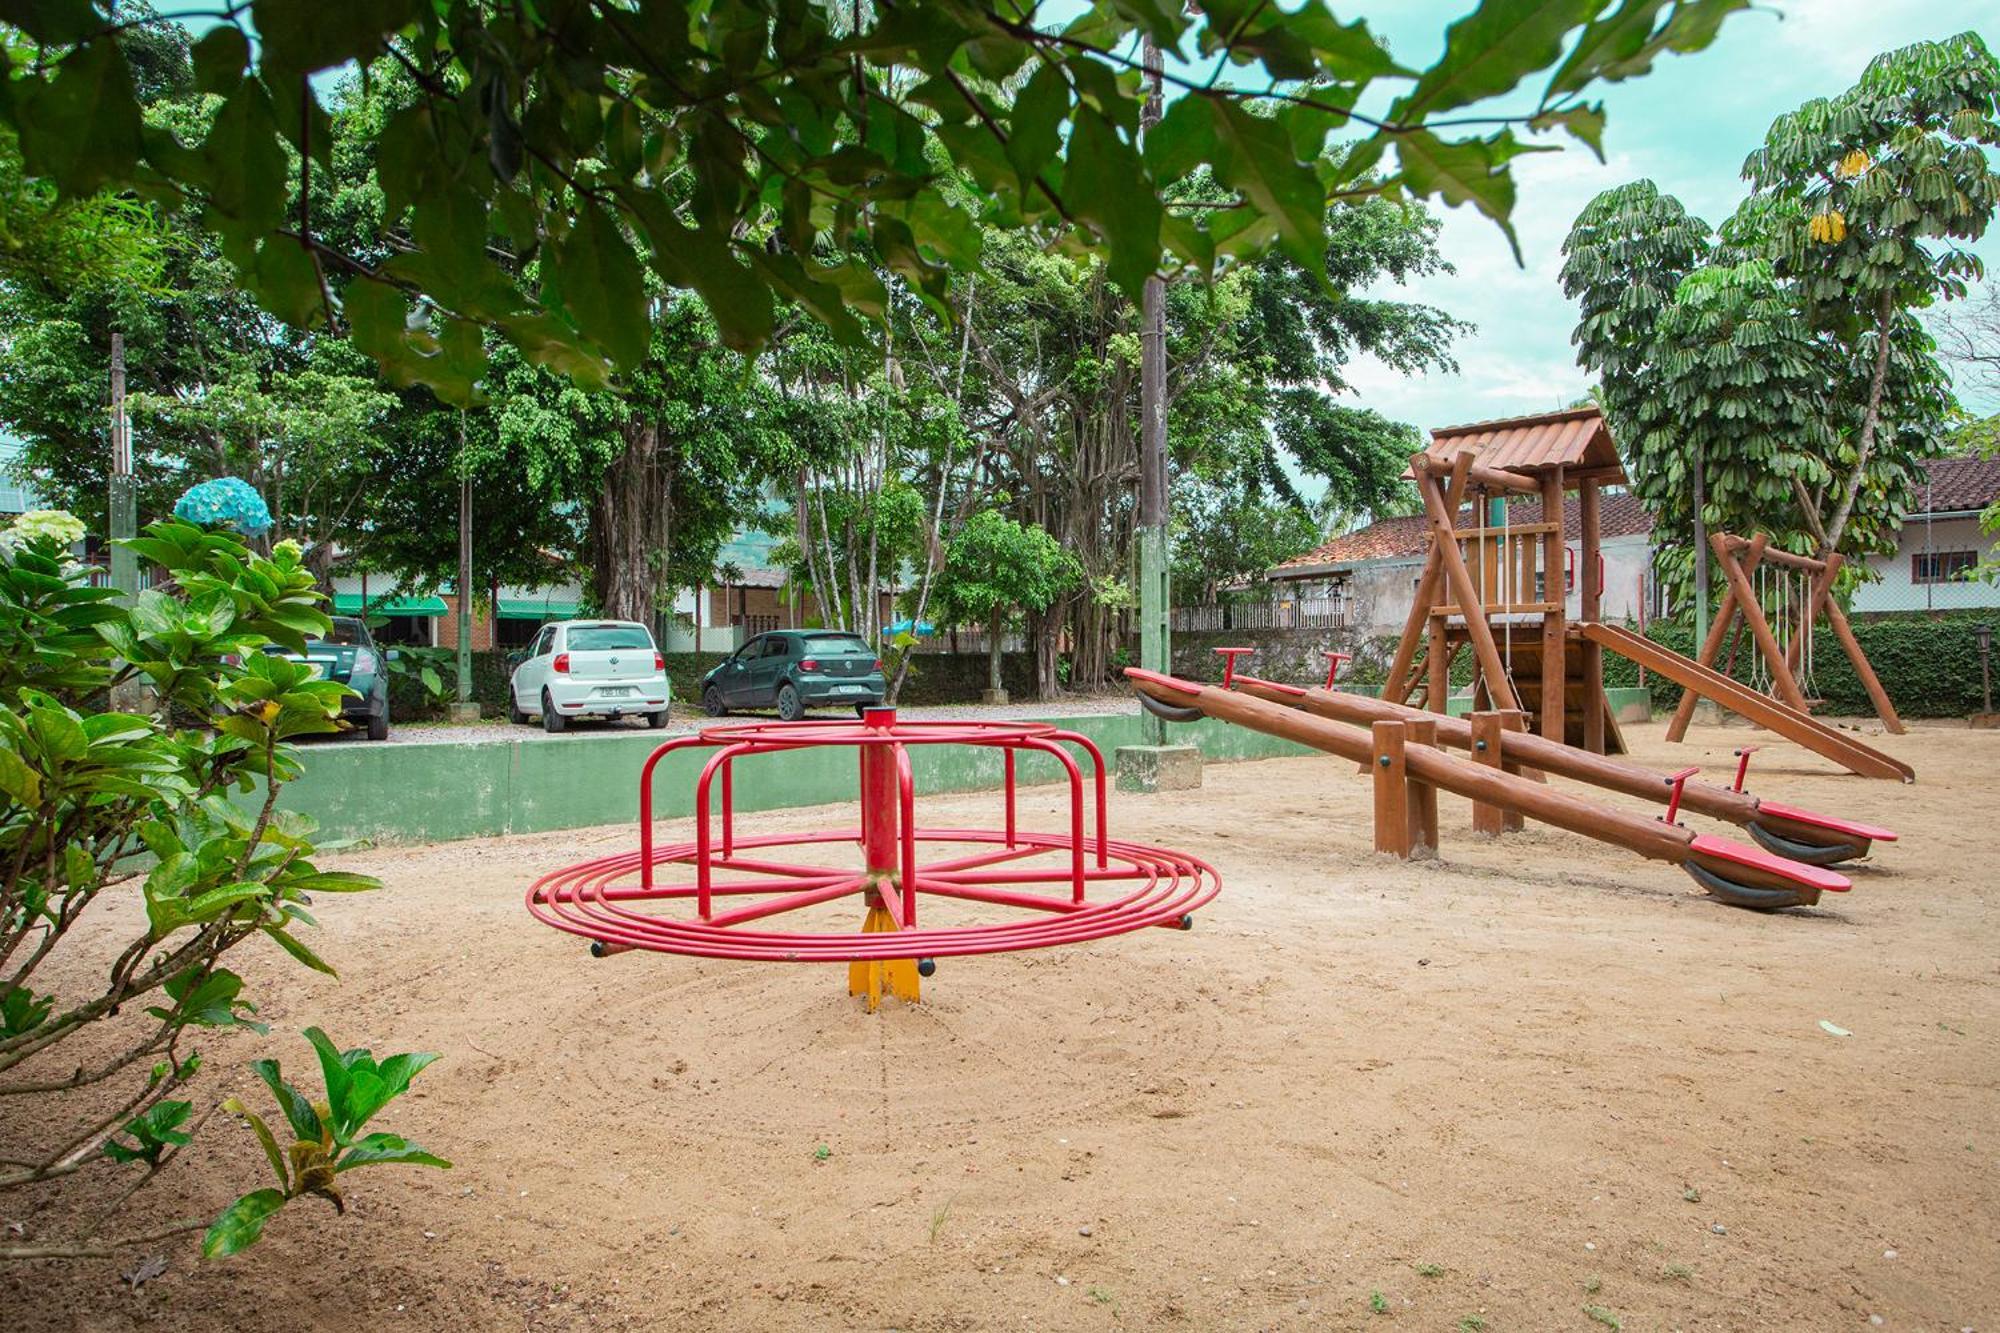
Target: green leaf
1254 157
1583 123
240 1224
1106 186
220 58
333 1070
81 127
291 945
1462 171
304 39
1491 50
19 781
602 287
1036 125
299 1113
379 1148
234 1106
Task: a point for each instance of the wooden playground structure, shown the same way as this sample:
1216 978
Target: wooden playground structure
1501 588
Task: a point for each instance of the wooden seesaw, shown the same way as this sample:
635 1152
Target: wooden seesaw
1786 830
1409 769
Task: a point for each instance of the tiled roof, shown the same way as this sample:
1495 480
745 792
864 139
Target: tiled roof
1618 515
1571 438
1959 484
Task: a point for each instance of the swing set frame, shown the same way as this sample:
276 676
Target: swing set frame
1740 558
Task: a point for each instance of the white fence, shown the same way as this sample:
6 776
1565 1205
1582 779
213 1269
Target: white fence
1279 613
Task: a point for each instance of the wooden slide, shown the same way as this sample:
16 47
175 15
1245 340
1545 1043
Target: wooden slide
1786 721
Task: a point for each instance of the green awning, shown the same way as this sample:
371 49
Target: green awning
537 608
350 604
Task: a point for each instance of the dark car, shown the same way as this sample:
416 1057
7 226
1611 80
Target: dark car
792 670
348 654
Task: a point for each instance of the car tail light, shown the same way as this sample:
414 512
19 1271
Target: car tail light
659 660
810 664
877 666
561 665
364 661
232 659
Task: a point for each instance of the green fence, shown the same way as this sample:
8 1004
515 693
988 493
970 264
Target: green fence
433 791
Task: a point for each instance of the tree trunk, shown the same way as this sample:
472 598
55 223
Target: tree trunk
1870 423
993 629
623 528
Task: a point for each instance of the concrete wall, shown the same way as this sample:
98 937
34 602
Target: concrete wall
1895 589
436 791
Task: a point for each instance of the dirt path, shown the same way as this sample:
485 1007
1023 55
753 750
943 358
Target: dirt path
1538 1080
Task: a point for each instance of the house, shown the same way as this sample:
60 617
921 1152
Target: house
1940 545
16 496
1371 574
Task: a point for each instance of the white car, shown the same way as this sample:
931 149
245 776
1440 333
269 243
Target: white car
590 668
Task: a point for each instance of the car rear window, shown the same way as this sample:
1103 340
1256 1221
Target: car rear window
604 638
344 631
836 643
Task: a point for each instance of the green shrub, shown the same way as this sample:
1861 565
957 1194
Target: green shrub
123 731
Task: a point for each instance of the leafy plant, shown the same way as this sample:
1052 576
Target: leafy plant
326 1136
128 736
1378 1303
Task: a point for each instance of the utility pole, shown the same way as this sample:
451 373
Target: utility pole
1154 765
465 710
123 509
1155 645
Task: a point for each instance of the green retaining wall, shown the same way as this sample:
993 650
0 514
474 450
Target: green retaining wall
434 791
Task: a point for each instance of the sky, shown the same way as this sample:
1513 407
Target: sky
1687 126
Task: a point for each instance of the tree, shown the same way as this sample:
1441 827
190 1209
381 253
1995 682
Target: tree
99 806
1774 359
997 566
1890 183
781 127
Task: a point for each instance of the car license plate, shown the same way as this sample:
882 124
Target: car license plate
615 691
850 689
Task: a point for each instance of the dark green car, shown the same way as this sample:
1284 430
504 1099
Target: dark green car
792 670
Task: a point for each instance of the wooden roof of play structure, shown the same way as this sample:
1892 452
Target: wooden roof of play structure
1573 439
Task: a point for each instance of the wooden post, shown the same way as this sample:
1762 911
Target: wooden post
1760 630
1711 648
1429 584
1392 801
1845 633
1422 801
1590 605
1555 659
1486 729
1438 664
1514 719
1444 539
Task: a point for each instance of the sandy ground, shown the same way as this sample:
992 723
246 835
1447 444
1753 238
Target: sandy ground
1538 1085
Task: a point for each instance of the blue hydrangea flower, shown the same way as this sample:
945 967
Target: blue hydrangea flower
227 502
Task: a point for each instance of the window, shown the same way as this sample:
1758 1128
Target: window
1942 566
511 633
836 643
607 637
542 642
777 646
406 631
346 630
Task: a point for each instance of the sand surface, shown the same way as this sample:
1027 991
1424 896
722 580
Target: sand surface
1540 1084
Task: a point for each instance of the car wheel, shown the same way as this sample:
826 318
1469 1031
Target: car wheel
711 703
861 710
552 721
514 713
790 707
378 726
657 720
